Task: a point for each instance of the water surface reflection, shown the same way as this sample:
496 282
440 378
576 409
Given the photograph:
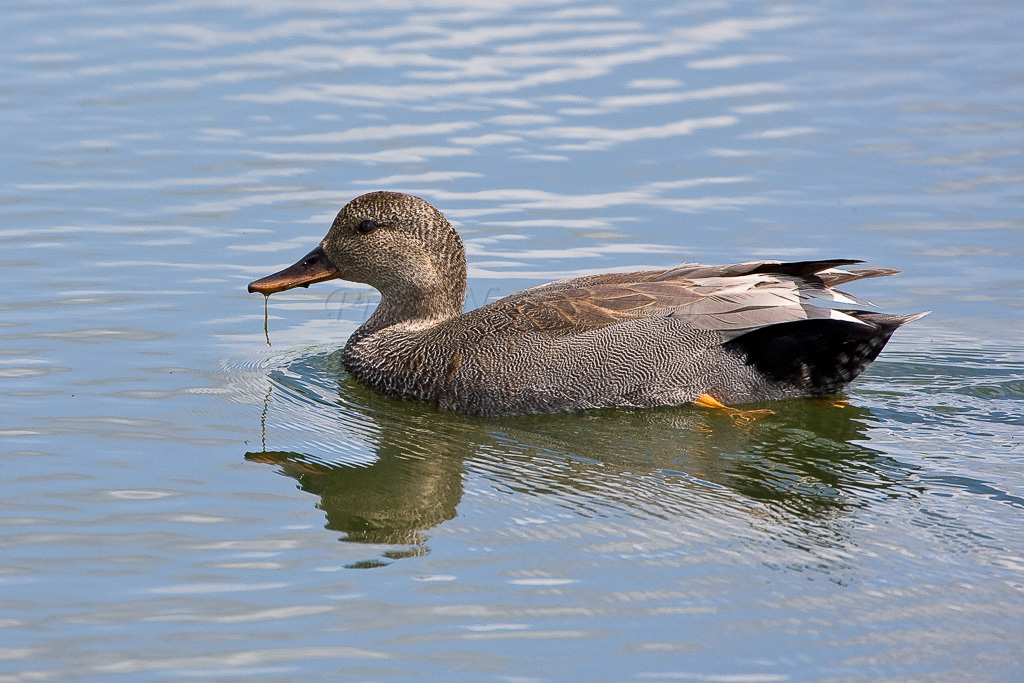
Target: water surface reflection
804 467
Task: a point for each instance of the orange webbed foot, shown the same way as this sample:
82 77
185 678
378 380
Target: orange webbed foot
712 403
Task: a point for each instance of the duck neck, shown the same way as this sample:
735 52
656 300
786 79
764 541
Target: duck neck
415 308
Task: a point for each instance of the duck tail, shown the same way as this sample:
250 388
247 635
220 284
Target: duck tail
886 320
819 356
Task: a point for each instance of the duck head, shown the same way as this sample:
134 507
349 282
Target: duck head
398 244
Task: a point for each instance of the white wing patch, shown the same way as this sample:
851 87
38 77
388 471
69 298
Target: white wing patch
735 305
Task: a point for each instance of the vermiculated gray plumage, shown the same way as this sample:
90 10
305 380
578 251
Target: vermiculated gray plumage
744 332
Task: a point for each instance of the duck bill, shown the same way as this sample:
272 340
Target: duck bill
313 267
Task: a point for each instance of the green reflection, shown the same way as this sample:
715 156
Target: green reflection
414 483
389 502
805 465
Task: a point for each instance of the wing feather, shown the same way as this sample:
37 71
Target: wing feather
730 299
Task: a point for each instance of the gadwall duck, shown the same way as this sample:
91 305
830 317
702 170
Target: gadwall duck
755 331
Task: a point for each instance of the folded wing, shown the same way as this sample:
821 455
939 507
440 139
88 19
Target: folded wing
732 299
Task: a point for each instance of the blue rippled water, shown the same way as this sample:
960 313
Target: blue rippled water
182 501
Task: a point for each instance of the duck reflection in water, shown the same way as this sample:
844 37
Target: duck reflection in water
803 466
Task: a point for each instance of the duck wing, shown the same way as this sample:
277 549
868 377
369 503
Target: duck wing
731 300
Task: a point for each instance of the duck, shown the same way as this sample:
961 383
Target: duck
712 335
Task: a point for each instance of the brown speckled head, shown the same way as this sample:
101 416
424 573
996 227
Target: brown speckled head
404 248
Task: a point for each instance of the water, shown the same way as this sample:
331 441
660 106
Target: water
182 502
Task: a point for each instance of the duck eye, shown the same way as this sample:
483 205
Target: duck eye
366 227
